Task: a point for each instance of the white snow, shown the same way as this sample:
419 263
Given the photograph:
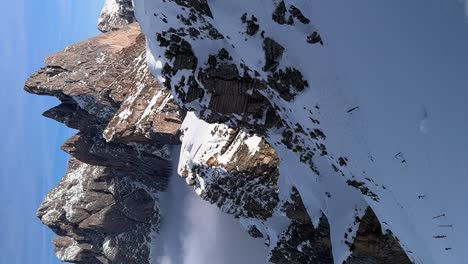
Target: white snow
388 59
149 107
69 253
110 8
253 143
100 58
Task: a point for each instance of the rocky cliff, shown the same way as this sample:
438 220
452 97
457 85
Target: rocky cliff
235 128
105 208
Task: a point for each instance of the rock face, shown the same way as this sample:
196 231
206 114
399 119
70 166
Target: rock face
235 141
99 216
116 14
105 208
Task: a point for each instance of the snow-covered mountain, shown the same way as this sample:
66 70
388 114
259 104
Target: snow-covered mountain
295 117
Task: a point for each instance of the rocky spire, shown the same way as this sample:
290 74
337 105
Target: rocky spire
116 14
105 207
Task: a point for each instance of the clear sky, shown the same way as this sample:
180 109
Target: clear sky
30 157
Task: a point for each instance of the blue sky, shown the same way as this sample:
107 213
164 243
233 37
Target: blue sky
31 161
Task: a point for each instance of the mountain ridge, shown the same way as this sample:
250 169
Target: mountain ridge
252 140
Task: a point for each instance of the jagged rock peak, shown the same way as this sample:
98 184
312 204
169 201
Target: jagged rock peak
107 77
99 216
105 209
116 14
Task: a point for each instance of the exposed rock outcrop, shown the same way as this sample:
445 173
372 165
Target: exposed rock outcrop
106 79
105 207
100 216
116 14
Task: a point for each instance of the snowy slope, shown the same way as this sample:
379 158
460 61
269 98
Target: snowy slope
411 94
389 98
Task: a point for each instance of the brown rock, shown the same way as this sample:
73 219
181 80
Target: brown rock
104 209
